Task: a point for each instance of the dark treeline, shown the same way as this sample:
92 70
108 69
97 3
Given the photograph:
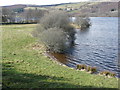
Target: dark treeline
21 15
18 23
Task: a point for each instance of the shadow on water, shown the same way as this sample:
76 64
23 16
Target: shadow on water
65 58
15 79
96 46
84 31
62 58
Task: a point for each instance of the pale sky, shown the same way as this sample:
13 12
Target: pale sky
45 2
37 2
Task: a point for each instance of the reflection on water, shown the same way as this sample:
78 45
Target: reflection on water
96 46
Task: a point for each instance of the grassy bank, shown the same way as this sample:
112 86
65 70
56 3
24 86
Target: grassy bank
25 66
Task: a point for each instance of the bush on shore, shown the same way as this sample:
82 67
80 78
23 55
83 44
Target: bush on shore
55 31
83 22
54 39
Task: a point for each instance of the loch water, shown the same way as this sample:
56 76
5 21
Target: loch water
96 46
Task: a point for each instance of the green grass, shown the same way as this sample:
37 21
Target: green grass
24 65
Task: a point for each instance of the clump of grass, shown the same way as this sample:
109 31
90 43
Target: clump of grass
108 73
88 69
83 66
93 69
79 66
112 74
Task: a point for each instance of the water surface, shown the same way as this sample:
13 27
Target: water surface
96 46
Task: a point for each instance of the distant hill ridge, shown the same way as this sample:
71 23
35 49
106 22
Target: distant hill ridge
33 5
88 8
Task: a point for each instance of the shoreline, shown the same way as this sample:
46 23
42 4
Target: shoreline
55 60
26 64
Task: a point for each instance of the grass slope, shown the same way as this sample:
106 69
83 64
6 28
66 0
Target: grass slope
24 65
92 9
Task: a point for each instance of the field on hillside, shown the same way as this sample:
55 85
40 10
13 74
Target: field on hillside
92 9
25 66
77 5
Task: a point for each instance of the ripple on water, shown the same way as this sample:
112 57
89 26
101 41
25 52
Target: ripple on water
95 48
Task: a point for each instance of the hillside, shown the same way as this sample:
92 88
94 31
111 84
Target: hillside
81 8
91 8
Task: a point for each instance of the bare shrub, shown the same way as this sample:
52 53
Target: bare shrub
38 31
54 39
83 22
55 31
58 19
55 19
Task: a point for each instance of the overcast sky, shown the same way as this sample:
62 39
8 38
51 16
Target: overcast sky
37 2
43 2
